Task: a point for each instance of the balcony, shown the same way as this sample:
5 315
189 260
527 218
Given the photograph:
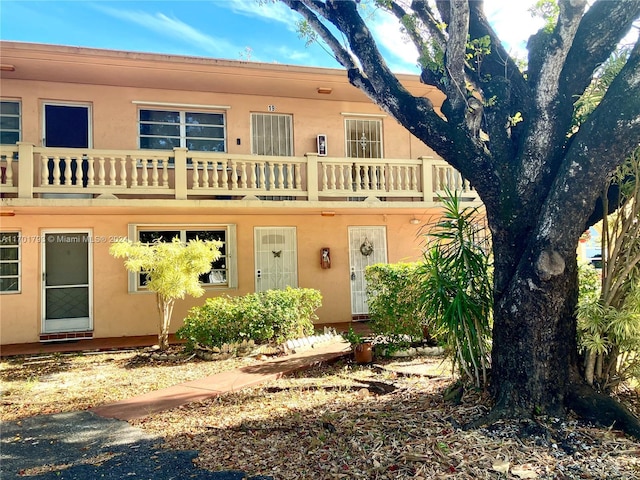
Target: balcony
39 172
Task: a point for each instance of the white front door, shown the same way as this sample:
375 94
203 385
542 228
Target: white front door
66 281
367 246
276 258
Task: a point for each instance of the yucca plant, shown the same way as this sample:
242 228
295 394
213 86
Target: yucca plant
457 288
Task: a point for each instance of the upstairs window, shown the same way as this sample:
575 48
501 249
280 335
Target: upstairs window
364 138
199 131
271 134
9 262
9 122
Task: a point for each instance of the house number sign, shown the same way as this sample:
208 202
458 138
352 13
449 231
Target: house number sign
271 108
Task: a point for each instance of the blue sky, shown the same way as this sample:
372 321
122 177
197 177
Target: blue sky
231 29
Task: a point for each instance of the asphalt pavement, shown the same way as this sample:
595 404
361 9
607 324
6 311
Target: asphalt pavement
85 446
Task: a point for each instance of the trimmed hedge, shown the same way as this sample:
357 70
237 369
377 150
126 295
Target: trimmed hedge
274 316
395 308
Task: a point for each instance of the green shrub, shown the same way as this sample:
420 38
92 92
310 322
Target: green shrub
394 302
456 287
274 316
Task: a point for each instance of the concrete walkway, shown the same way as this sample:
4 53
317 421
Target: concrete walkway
223 382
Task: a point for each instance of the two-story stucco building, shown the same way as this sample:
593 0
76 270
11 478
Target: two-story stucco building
304 180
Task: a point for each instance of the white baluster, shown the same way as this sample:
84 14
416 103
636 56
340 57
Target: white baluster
112 171
383 178
333 179
392 178
205 173
9 171
154 172
257 175
195 175
405 177
350 178
165 172
234 174
56 170
134 171
44 171
366 179
8 175
216 175
144 173
91 172
123 171
68 171
101 172
325 178
374 177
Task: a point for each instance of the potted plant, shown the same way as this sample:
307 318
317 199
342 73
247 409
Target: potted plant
362 349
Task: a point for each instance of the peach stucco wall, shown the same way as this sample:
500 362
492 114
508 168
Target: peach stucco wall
114 84
120 313
114 116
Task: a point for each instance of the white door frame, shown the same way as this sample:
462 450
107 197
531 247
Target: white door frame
72 324
263 279
67 104
359 259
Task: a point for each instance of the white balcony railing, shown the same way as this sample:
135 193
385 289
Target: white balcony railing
27 172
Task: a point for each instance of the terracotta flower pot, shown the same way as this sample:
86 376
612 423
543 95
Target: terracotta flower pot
363 353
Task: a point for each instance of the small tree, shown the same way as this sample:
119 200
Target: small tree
172 270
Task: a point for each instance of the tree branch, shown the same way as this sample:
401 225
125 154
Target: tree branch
600 32
455 54
603 142
498 63
304 8
409 21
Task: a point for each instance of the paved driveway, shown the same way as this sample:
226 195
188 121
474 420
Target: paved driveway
95 448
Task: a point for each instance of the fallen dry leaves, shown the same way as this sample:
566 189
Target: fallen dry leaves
59 383
326 423
332 422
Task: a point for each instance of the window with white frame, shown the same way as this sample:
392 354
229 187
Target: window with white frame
271 134
363 138
9 122
9 262
223 270
166 129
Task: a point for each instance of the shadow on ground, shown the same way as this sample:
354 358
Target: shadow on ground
84 446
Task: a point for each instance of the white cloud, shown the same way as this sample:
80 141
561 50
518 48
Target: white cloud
402 55
276 11
174 28
513 23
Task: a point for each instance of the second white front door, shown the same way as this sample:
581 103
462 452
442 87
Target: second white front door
367 246
276 258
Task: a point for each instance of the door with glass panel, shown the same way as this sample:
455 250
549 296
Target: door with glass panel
276 258
66 282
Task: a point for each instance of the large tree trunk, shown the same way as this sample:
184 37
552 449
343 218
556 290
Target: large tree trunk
535 365
534 340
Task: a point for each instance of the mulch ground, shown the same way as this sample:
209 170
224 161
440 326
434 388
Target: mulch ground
382 421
